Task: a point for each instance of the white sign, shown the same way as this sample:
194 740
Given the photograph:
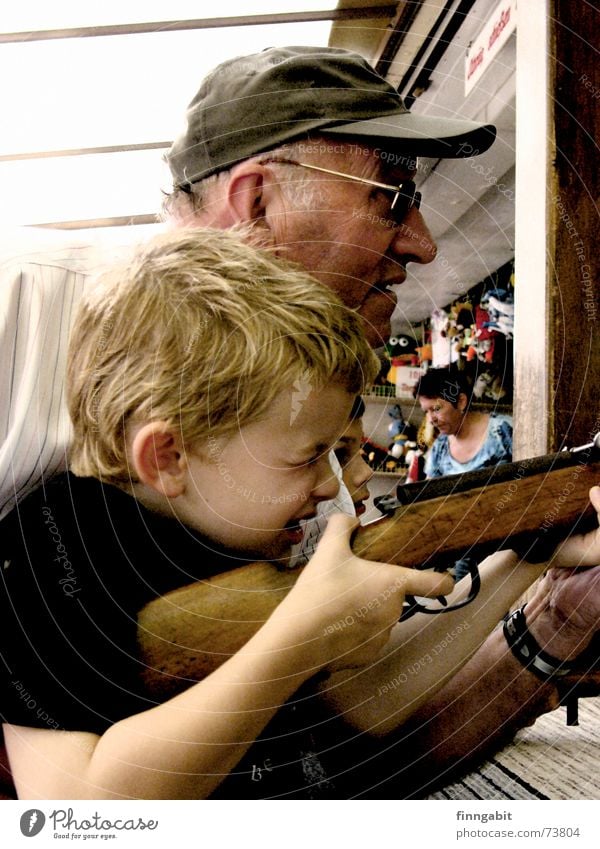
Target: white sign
489 42
407 378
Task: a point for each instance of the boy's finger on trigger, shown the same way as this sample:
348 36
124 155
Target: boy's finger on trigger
341 523
427 583
595 497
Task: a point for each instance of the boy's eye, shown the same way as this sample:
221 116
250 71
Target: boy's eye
310 461
343 454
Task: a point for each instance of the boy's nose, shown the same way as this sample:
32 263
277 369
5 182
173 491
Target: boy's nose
327 485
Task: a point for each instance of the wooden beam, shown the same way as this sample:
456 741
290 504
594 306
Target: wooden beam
531 407
574 222
383 11
116 221
557 270
85 151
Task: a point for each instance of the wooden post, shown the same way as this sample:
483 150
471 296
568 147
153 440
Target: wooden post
557 310
575 222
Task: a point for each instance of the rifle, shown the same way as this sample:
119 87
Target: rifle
525 505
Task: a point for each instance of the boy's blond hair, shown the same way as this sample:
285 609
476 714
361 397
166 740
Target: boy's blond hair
202 331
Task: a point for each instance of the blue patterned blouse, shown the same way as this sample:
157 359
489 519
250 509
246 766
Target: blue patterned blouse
497 448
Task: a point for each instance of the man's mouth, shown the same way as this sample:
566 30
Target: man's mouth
397 278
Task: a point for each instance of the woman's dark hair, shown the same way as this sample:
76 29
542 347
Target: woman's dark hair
447 383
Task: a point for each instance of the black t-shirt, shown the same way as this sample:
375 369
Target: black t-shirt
79 560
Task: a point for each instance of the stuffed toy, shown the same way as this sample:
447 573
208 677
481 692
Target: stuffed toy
399 425
499 304
426 435
379 458
488 385
401 350
397 448
482 344
415 462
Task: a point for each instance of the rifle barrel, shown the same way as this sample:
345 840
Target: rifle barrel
451 485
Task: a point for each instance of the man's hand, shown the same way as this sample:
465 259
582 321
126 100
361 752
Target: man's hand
564 613
582 549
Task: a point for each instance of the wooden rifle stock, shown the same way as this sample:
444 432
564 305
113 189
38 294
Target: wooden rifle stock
188 633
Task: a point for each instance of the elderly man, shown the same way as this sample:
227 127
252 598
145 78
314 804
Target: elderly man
315 154
283 141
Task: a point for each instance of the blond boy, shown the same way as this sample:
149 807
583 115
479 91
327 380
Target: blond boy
207 384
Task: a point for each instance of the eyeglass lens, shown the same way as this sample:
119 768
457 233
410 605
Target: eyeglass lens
404 200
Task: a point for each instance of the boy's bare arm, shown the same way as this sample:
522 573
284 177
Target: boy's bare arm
186 746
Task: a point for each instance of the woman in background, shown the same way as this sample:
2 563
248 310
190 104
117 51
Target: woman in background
467 439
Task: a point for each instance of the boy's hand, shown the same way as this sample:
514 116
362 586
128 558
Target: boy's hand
347 606
582 549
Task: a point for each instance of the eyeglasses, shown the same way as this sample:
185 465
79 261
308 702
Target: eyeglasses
405 194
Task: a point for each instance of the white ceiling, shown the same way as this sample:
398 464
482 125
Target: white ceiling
68 90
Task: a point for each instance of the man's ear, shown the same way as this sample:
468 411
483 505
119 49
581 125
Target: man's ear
158 458
249 191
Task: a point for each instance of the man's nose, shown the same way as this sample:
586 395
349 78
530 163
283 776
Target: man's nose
414 240
363 472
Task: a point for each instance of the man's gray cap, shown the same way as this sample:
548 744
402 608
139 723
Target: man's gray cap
254 103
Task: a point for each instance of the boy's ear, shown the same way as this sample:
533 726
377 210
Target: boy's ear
158 458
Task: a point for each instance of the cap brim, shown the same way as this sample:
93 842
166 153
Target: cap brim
422 135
